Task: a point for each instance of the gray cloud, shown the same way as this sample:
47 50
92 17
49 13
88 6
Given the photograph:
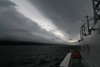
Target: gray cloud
13 25
6 3
66 14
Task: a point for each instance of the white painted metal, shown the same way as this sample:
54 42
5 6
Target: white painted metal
90 48
65 62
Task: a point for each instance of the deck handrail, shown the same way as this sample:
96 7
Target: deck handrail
66 61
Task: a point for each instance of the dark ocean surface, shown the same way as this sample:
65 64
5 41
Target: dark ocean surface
32 55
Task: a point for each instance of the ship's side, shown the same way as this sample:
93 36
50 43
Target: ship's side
90 46
90 38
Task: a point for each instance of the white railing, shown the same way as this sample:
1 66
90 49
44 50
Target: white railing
66 61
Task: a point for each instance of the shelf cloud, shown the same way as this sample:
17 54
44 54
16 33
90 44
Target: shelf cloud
51 21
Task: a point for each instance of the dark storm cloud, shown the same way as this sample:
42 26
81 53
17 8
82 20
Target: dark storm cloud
66 14
13 25
5 3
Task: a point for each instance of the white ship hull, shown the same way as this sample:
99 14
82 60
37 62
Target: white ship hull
90 47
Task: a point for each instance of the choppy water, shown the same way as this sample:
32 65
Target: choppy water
32 56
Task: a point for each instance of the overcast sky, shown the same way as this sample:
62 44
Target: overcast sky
49 21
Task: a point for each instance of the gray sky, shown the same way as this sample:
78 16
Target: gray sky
50 21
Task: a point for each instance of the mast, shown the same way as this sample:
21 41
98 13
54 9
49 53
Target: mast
96 10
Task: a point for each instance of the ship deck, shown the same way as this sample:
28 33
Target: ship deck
69 61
